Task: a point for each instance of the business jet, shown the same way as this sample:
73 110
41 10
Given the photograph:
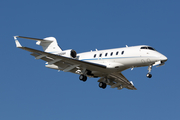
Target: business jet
104 64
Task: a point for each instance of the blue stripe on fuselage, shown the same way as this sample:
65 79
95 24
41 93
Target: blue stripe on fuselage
108 58
117 58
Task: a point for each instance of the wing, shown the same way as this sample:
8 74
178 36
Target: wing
63 63
118 80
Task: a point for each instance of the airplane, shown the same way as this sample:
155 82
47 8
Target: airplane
104 64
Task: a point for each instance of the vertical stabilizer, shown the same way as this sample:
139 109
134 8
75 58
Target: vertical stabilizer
49 44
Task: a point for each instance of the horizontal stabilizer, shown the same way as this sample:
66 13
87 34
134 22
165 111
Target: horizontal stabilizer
49 44
37 39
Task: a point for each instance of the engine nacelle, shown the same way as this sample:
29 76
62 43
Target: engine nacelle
68 53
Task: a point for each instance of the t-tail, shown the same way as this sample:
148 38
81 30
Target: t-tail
49 44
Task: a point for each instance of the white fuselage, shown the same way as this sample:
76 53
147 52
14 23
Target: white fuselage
119 59
123 58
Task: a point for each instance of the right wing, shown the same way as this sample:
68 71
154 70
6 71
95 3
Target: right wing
118 80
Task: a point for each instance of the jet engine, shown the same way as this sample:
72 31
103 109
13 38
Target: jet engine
68 53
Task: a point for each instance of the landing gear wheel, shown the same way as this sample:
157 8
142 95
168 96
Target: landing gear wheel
83 78
102 85
149 75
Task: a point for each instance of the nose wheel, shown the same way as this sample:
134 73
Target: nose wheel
149 70
149 75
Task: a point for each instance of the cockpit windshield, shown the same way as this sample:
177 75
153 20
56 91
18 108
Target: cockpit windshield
149 48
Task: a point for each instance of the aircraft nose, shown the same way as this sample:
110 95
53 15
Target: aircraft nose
163 58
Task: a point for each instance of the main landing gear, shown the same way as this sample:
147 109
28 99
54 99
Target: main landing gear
149 70
83 78
85 73
102 85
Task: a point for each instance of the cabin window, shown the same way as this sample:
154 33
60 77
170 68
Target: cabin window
122 52
106 54
111 53
100 55
94 55
117 53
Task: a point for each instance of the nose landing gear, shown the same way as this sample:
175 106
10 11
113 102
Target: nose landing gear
149 70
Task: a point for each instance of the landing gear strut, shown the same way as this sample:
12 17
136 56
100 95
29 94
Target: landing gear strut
83 78
149 70
102 85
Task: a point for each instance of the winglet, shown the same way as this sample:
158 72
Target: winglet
17 42
15 37
131 83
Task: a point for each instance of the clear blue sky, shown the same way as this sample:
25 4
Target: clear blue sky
29 91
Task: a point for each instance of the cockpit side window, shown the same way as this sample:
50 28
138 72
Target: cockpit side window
149 48
143 47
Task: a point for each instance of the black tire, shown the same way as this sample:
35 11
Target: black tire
102 85
149 75
83 78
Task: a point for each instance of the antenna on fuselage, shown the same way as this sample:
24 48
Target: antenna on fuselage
126 46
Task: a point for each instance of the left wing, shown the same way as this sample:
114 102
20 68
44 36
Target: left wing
64 63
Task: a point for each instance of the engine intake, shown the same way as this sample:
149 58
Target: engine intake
73 53
68 53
